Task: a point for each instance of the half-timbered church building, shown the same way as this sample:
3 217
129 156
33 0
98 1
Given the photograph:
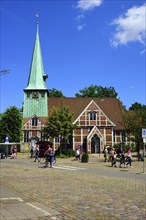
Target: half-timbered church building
99 120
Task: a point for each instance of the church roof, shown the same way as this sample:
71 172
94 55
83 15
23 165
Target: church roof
37 76
112 107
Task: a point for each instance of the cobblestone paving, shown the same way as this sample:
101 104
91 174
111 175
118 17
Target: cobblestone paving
86 194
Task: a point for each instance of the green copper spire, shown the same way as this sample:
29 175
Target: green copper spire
37 76
36 93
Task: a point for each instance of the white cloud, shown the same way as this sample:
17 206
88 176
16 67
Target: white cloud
81 26
86 5
142 52
79 17
130 27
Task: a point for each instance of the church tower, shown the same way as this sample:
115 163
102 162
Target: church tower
36 92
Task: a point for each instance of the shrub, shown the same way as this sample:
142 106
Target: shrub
65 152
62 156
68 152
85 158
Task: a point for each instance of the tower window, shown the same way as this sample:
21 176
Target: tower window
42 94
28 94
35 95
92 115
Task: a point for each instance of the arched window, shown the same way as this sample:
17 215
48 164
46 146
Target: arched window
92 115
26 136
34 121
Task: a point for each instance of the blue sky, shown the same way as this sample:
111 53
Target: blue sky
99 42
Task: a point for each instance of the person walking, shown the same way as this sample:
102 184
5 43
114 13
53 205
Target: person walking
105 154
122 159
51 155
77 154
113 156
31 152
129 158
36 154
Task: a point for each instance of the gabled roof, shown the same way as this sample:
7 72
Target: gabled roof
95 109
112 107
37 76
43 119
94 130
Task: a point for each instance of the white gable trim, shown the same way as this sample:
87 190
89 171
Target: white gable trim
92 101
30 119
104 114
82 113
94 130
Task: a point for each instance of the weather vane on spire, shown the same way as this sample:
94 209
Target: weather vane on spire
37 16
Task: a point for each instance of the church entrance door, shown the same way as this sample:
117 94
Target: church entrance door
95 144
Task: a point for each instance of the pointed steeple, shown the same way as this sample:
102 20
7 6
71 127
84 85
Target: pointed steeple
37 76
36 93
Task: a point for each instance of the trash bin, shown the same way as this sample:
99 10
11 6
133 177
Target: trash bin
2 155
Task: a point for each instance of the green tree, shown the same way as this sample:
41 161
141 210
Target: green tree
60 124
134 121
137 107
55 93
97 91
10 125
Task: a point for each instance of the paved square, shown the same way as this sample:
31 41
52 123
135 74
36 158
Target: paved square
72 190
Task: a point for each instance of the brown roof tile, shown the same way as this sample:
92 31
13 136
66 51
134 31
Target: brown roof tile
112 107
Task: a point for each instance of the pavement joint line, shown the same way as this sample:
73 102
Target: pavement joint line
12 198
38 209
65 168
80 168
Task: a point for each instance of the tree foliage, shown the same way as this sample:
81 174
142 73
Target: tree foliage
4 72
97 91
59 124
137 107
55 93
135 120
10 125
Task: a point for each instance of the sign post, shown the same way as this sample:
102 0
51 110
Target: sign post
144 142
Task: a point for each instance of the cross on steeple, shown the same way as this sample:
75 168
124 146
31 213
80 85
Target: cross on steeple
37 16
